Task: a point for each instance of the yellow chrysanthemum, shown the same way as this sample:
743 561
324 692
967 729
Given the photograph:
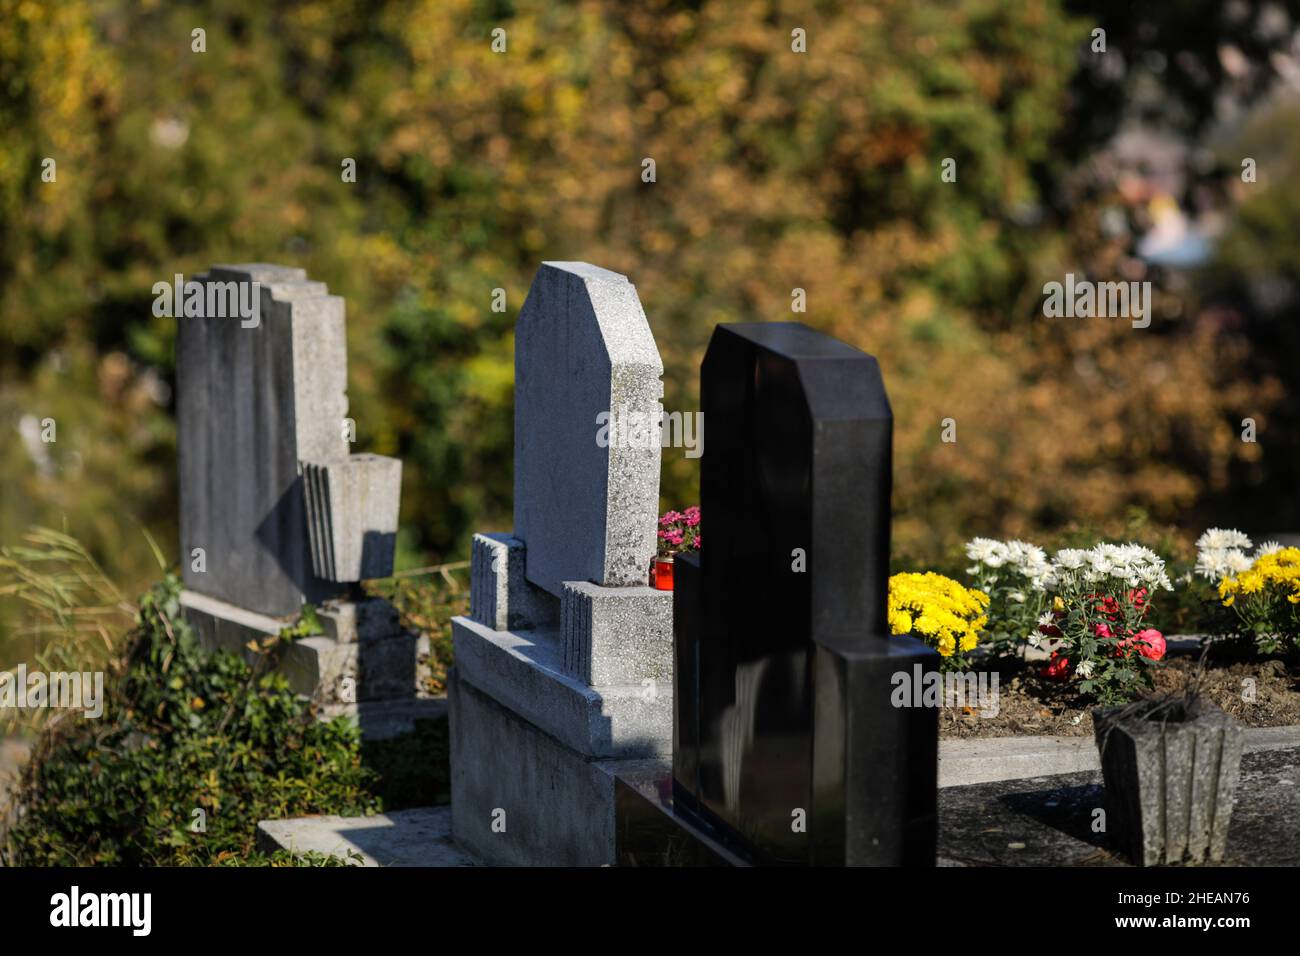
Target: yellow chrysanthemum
948 615
900 622
1270 573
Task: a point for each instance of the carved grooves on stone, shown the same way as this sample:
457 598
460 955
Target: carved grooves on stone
1220 745
1162 805
483 581
316 480
575 624
1189 834
352 514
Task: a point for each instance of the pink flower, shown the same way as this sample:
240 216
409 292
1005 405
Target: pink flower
1151 644
1102 630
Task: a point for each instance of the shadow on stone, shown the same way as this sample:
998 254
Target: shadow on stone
282 533
1066 809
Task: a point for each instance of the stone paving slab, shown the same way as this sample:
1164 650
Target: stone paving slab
418 837
1033 821
1047 820
991 759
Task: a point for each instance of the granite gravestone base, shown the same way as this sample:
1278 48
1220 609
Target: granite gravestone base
563 670
787 746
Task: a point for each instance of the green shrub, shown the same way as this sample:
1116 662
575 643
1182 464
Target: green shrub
183 731
427 604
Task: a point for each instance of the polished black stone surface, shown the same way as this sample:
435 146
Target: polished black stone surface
651 831
785 740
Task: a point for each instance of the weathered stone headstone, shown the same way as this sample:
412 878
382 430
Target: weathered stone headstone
583 349
786 741
564 666
252 402
274 511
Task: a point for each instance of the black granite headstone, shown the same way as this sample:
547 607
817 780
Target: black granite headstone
786 744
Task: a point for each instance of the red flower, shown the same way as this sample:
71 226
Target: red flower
1150 643
1108 606
1058 667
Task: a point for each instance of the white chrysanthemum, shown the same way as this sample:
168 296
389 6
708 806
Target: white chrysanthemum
1156 578
1238 562
1102 560
1046 618
1025 556
1070 558
1212 564
1268 547
1084 669
1222 538
1034 639
987 552
1136 554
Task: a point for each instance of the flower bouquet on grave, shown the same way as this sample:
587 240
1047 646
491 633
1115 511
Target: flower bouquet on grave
679 532
1261 593
940 612
1101 598
1014 575
1221 553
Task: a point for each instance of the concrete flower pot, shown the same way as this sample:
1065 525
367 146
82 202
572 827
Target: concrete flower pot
1171 780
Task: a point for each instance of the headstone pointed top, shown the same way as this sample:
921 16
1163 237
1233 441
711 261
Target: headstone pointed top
585 270
792 339
838 382
583 293
584 355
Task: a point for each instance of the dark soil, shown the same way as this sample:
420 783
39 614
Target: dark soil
1032 705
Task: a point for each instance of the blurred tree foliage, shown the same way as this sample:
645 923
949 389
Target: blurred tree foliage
775 171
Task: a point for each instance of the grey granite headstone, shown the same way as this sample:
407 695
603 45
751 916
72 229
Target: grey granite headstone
583 348
564 666
253 400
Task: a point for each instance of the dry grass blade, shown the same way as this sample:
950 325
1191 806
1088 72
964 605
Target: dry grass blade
73 612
